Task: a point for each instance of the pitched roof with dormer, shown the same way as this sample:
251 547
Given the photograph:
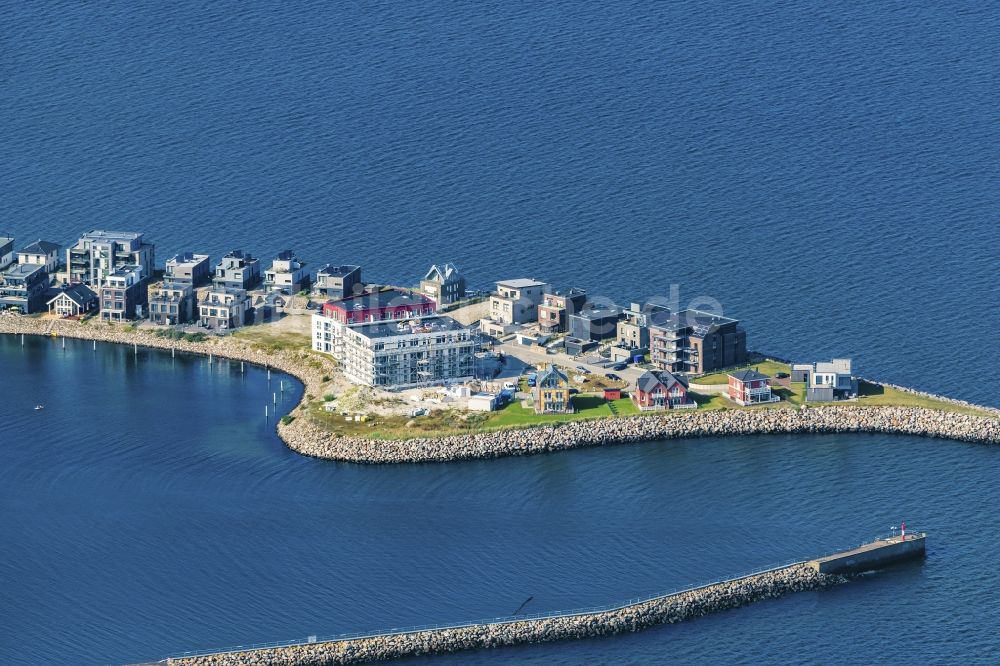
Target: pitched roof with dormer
650 379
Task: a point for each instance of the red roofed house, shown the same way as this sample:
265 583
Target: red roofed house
659 389
749 387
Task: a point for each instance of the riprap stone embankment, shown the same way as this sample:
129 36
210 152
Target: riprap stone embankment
308 439
634 617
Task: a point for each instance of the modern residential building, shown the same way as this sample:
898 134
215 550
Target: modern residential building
98 254
832 381
595 323
371 307
123 293
556 306
800 372
749 387
337 282
287 274
6 251
633 328
237 270
223 308
23 287
73 300
659 389
444 283
550 394
172 302
188 268
696 342
517 301
406 354
41 253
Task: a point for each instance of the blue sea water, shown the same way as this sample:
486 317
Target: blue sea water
827 173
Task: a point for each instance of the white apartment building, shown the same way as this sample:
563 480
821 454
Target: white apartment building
407 354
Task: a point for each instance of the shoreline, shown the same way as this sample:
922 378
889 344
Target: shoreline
306 438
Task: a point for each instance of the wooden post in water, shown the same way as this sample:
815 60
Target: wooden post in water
241 367
135 349
274 399
265 413
64 343
95 345
22 339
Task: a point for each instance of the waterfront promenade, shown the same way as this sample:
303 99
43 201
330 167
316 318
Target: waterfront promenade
306 437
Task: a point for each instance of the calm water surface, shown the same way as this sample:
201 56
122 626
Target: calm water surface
827 173
149 509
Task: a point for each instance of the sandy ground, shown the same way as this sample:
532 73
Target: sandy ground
470 313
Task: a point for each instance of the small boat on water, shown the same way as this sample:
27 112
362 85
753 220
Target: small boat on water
37 407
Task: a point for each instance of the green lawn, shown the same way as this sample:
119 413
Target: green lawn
873 394
767 367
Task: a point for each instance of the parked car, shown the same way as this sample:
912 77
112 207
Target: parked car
509 386
582 370
619 366
612 376
781 375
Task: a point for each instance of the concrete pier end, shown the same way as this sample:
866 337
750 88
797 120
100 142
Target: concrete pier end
873 555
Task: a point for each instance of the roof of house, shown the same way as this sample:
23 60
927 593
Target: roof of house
102 234
520 283
39 247
187 258
598 312
338 271
240 254
6 239
569 292
699 321
124 269
428 325
442 273
22 270
78 293
551 371
285 255
650 379
841 366
376 300
748 375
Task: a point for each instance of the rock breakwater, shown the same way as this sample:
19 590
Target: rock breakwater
667 609
308 439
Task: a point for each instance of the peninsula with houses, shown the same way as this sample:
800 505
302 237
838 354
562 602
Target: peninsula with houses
437 371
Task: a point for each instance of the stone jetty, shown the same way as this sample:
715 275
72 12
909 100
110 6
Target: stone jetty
305 437
667 609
